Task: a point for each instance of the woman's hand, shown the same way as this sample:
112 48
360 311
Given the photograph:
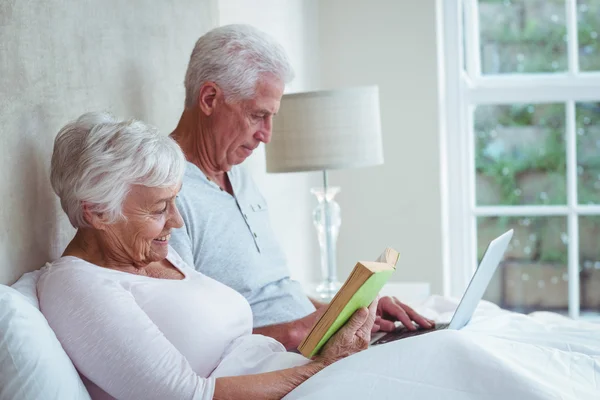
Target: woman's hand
353 337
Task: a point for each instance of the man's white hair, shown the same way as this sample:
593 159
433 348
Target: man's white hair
234 57
98 158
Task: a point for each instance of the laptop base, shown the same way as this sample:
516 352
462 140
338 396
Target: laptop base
402 333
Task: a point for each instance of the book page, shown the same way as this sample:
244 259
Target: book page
389 256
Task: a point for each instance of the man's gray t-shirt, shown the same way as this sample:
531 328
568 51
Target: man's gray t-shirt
230 239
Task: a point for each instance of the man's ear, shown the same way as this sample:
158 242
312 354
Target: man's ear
95 219
207 96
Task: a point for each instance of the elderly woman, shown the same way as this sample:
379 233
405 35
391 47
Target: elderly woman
136 321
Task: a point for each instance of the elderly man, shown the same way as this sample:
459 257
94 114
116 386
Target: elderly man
234 83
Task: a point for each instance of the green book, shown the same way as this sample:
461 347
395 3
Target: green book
359 290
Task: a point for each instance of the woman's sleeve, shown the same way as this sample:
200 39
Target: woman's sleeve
112 341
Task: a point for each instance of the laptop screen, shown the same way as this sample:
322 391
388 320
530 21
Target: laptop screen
480 281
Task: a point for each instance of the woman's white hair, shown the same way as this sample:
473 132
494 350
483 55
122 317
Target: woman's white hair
234 57
97 159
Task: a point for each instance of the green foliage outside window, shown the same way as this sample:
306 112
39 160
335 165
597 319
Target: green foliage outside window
531 37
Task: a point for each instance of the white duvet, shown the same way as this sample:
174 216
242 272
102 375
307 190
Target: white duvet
499 355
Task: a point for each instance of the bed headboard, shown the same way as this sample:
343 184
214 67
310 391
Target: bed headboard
60 58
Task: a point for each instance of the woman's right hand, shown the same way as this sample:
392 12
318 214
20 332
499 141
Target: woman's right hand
353 337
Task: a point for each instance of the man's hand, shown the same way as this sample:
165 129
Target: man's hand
391 309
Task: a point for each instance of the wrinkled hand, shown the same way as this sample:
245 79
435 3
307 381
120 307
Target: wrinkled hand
353 337
391 309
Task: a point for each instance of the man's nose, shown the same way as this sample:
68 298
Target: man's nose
264 135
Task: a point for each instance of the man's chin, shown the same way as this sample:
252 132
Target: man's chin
240 158
235 159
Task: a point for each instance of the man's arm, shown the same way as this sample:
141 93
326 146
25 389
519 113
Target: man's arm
318 304
390 309
292 333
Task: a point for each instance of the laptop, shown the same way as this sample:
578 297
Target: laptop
472 296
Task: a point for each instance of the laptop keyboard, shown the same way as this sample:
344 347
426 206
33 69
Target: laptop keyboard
402 333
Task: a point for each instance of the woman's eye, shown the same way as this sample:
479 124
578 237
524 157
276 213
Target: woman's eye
164 210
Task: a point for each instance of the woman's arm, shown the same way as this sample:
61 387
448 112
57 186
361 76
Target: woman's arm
271 385
351 338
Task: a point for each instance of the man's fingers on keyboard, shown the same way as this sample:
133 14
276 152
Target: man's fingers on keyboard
406 321
418 318
386 326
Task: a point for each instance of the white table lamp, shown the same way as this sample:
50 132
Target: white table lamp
319 131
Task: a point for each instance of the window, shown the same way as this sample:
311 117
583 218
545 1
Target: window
520 101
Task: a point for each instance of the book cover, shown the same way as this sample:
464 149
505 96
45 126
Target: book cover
360 289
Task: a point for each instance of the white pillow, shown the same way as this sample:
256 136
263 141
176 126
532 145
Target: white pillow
27 286
33 364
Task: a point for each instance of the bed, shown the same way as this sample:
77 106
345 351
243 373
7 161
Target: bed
499 355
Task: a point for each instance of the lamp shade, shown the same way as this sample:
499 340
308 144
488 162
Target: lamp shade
324 130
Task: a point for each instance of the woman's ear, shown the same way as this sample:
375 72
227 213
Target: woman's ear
209 92
93 218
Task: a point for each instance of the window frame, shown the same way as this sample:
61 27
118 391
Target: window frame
461 89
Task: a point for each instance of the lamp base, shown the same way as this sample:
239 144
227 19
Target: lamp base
325 291
327 221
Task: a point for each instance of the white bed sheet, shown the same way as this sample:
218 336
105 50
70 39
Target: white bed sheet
499 355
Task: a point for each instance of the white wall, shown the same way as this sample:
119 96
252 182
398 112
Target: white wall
392 44
293 23
336 43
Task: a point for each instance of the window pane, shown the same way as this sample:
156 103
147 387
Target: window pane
520 154
463 25
588 149
589 258
521 36
534 274
588 21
